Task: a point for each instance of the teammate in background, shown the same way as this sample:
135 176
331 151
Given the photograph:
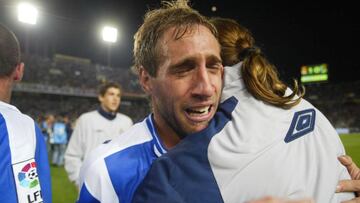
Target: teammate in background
262 130
24 166
178 59
94 128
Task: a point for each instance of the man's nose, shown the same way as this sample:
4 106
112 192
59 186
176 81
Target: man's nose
202 83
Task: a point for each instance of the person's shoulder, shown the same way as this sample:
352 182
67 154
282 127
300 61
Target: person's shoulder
12 114
20 129
124 117
306 106
312 120
136 134
88 115
6 108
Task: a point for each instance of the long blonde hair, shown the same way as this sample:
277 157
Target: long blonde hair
260 76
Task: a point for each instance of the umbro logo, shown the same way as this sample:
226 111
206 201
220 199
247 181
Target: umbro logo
302 123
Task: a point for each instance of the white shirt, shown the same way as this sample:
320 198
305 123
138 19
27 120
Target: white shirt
91 130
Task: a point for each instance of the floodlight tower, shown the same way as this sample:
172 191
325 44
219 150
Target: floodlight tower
109 35
28 14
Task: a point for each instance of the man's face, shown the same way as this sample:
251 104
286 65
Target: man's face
186 90
110 102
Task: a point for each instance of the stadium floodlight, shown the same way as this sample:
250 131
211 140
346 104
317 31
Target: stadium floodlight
109 34
27 13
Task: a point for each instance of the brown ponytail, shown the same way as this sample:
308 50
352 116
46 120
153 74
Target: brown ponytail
259 75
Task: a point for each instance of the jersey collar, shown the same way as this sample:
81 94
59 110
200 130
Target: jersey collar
108 115
158 146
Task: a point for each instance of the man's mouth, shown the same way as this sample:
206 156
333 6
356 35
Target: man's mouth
199 111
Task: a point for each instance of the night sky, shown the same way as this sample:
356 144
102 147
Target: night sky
291 34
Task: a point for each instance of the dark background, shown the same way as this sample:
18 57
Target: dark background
291 34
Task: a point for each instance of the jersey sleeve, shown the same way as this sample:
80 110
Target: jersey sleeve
95 182
43 168
7 183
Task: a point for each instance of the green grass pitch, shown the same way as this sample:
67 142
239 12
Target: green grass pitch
63 191
352 146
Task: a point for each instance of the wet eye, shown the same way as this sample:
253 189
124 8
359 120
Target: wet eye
214 67
182 69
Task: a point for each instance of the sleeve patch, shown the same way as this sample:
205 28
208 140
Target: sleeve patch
27 182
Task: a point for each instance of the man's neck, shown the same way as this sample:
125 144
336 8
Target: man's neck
5 90
167 135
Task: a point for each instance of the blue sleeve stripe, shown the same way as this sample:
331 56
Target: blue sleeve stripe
85 196
7 183
43 168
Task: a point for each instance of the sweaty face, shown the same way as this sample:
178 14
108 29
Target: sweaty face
110 102
187 87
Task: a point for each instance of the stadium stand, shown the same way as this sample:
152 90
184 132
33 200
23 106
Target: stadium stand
67 85
339 102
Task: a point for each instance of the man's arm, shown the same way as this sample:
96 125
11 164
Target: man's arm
350 185
74 153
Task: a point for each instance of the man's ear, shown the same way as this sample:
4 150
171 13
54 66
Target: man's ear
222 73
18 72
100 98
145 80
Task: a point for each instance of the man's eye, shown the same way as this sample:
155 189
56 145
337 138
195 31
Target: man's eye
182 70
214 67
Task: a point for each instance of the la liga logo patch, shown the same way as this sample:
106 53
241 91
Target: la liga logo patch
27 182
28 176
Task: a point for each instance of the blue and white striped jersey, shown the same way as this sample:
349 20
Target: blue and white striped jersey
24 163
250 150
113 170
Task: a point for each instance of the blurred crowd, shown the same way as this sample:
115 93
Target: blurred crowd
339 102
65 71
